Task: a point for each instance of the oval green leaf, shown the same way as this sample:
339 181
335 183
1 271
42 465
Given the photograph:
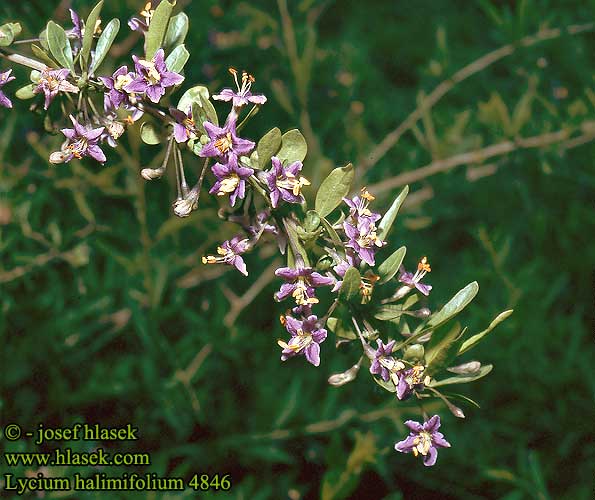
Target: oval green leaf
268 146
391 266
454 305
104 44
333 189
88 36
59 45
391 214
475 339
351 283
177 29
293 147
149 134
157 28
177 59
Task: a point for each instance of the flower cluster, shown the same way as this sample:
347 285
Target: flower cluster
336 251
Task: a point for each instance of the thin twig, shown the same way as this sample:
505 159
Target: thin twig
238 304
481 155
447 85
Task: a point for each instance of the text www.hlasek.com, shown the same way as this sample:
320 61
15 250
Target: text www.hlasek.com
68 457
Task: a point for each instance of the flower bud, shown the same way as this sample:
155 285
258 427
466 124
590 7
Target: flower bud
339 379
466 368
57 157
184 207
150 174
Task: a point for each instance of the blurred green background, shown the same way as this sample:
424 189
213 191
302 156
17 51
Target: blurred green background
108 316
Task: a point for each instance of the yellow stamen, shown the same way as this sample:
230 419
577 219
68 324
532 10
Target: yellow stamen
224 144
424 265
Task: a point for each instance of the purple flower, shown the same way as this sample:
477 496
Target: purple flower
285 183
363 239
224 143
306 336
184 126
76 32
82 141
231 180
5 77
153 77
243 96
410 380
230 253
301 284
142 25
423 439
115 84
383 363
414 280
53 81
358 207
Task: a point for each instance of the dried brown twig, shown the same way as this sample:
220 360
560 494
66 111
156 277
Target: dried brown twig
391 139
561 137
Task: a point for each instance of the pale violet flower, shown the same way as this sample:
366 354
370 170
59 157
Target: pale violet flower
243 95
424 439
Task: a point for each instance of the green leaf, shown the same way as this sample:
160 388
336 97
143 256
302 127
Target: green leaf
351 283
26 92
59 45
333 189
88 35
177 29
268 146
43 39
149 134
197 98
104 43
443 348
177 59
388 312
475 339
463 379
454 305
43 56
8 32
157 28
332 233
293 147
391 266
388 386
391 214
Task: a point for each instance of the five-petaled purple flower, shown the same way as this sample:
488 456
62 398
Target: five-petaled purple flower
116 85
383 363
306 335
301 283
153 77
82 141
53 81
410 380
414 280
5 77
358 207
285 182
230 253
184 126
424 439
224 143
243 96
363 238
231 180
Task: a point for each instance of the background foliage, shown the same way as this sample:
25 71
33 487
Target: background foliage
108 315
